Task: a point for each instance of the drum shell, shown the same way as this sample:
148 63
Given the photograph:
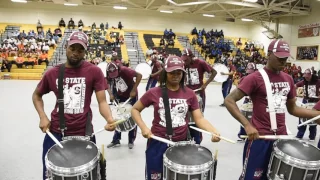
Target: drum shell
129 123
126 126
73 172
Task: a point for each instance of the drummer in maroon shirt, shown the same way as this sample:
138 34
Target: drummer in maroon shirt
257 152
195 70
181 100
317 108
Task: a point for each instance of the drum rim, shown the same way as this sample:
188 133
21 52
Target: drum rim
127 118
186 169
311 165
74 171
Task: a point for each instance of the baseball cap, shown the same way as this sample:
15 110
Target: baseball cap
187 52
78 38
174 63
307 73
280 48
112 70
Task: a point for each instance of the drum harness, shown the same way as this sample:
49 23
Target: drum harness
60 100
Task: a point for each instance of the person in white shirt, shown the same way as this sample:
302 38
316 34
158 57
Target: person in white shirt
46 48
52 42
32 40
6 46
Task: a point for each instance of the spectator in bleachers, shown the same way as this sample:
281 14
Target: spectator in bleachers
46 48
121 39
80 23
194 31
62 23
102 26
51 43
120 26
162 42
94 26
43 58
6 46
58 32
194 41
298 78
107 26
6 65
171 42
71 24
19 61
32 40
30 61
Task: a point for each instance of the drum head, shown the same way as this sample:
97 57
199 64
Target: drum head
144 69
103 66
220 68
189 155
73 154
300 150
120 113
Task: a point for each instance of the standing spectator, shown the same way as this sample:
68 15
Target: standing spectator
120 25
6 65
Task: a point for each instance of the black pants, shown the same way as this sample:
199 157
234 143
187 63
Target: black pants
40 61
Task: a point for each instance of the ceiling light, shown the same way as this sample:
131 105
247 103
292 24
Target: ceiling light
245 19
189 3
208 15
166 11
19 1
120 7
252 1
70 4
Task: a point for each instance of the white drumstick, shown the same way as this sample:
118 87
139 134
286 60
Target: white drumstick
125 102
212 134
271 137
103 129
162 139
54 138
115 104
197 90
309 121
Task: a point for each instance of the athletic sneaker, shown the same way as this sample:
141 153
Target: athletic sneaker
130 145
311 140
222 105
114 144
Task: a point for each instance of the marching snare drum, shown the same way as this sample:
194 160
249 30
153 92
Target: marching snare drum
144 69
294 160
124 113
77 160
220 68
246 110
187 161
308 106
200 106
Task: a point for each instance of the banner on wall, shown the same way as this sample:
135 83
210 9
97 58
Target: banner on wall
308 30
307 52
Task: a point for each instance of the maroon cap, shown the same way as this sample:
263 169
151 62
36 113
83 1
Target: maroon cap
187 52
113 70
279 48
78 38
307 73
174 63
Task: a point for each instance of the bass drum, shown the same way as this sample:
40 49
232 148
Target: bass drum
103 66
144 69
220 68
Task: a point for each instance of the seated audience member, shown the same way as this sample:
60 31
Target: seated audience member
102 26
162 42
45 47
6 65
71 24
6 46
43 58
19 61
62 23
51 43
30 61
107 25
239 43
121 39
80 23
120 25
94 26
194 31
171 42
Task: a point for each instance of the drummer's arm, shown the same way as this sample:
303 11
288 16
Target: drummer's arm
104 108
213 74
136 115
138 79
301 112
156 73
202 123
230 73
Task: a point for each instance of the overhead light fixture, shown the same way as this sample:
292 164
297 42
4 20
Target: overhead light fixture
189 3
19 1
120 7
166 11
208 15
70 4
252 1
245 19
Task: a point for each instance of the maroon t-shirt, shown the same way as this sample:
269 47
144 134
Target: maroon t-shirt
282 89
79 84
155 68
313 88
231 68
317 106
180 102
124 82
196 70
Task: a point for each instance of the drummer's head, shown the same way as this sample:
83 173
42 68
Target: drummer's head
113 70
76 48
187 56
173 72
307 74
278 53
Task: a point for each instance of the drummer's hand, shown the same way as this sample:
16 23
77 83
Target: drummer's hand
110 127
133 93
44 124
111 98
222 73
251 132
146 133
203 87
215 138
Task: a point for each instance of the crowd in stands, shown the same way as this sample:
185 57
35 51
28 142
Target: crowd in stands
307 53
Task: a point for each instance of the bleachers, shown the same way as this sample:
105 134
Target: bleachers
153 40
24 73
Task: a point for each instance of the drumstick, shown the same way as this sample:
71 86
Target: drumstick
271 137
102 151
115 104
212 134
54 138
125 102
103 129
162 139
310 120
197 90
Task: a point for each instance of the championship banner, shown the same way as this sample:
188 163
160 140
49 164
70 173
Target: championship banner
308 30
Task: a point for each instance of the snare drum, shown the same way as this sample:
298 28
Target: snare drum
123 113
308 106
77 160
200 106
187 161
246 110
294 160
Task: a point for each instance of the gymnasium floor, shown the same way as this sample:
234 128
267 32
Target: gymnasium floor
21 139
